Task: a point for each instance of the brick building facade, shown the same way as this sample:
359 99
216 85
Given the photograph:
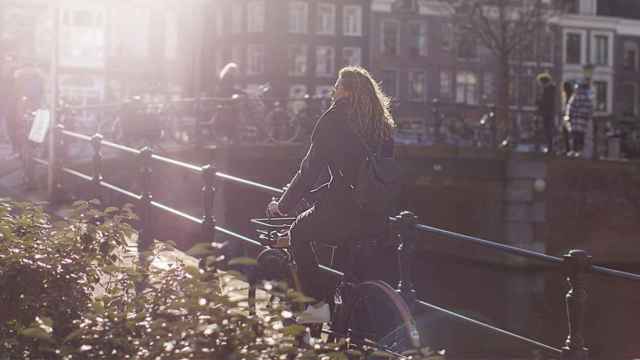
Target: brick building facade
295 46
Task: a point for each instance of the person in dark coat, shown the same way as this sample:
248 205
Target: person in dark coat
360 112
547 108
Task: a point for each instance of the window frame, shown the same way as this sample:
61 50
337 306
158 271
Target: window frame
359 20
466 87
251 12
410 95
583 46
630 45
293 62
423 30
595 51
596 96
294 17
320 19
344 58
332 68
383 37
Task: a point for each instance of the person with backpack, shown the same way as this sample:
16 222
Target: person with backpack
352 147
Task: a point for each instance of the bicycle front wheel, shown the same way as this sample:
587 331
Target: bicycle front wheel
377 312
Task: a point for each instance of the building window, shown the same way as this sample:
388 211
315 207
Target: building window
573 48
630 56
255 59
629 97
352 56
236 17
389 81
417 83
600 96
352 20
298 17
326 19
417 39
445 86
601 50
255 15
467 47
297 60
467 88
489 87
325 61
389 40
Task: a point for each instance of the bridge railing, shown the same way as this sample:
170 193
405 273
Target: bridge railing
248 119
574 266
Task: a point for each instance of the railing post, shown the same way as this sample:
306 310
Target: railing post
406 250
576 263
96 142
208 195
145 236
59 160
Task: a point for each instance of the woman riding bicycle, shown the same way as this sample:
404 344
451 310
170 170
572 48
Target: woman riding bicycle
360 111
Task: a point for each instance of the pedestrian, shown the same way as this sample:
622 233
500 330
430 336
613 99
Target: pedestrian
28 96
359 115
227 121
580 112
568 88
546 104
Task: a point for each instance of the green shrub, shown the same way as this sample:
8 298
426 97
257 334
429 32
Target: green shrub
70 290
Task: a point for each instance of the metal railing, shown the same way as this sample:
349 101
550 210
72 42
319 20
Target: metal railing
574 265
240 119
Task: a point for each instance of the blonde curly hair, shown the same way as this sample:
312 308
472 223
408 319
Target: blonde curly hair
370 107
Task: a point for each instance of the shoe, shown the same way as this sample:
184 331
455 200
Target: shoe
315 314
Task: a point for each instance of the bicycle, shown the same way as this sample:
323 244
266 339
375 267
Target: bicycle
370 313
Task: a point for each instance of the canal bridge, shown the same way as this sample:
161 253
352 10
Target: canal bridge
465 179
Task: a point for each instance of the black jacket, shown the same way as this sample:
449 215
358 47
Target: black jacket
336 152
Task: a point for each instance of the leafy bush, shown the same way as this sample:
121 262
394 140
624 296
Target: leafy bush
70 290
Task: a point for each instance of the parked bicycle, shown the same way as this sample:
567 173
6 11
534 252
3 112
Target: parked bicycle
370 313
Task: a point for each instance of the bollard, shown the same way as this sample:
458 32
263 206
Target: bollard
96 143
208 196
576 263
59 161
145 236
406 250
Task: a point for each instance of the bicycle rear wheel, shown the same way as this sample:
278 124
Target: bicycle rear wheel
377 312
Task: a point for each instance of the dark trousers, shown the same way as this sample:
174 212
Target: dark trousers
311 230
361 249
578 140
566 139
548 125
